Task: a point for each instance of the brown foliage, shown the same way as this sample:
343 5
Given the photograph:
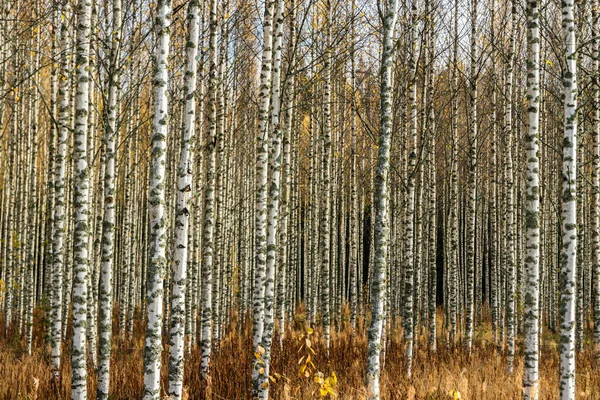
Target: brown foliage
481 376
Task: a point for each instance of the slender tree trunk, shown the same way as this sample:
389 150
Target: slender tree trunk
432 191
452 279
261 197
325 196
184 189
509 212
595 210
409 246
381 206
156 267
272 200
209 196
284 254
59 185
532 211
472 182
80 203
353 231
568 253
108 224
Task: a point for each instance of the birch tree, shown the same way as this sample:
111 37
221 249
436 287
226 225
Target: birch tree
108 223
381 206
568 253
532 218
184 188
156 267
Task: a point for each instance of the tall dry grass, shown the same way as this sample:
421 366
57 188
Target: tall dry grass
483 375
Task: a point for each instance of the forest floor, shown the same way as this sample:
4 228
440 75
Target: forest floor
446 374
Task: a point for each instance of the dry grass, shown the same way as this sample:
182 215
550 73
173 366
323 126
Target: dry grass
483 375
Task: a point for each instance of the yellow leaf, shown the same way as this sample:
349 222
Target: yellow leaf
265 385
308 343
333 378
272 379
260 350
257 355
310 331
323 392
261 371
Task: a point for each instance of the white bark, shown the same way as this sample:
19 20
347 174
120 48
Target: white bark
381 222
157 264
184 189
260 235
108 224
80 203
532 210
568 254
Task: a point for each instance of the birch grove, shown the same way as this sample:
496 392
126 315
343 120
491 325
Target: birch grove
299 199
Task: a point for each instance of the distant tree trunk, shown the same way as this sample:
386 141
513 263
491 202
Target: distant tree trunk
432 191
284 254
209 195
34 220
59 186
509 212
353 228
452 280
595 210
472 182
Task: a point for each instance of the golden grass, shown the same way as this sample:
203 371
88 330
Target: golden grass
483 375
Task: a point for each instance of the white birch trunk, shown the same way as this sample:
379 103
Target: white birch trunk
378 289
108 225
156 267
568 253
184 189
59 186
80 203
532 210
260 235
